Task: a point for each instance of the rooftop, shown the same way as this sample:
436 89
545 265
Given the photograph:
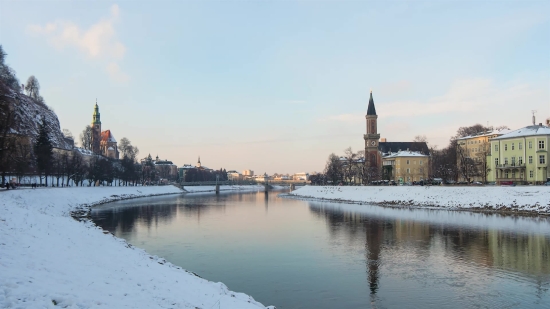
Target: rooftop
405 153
533 130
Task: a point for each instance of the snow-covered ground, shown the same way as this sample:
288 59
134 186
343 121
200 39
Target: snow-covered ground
50 260
535 199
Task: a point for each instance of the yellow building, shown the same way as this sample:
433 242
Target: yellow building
406 166
471 155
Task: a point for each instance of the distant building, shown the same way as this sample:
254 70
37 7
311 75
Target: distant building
103 143
183 170
234 176
165 168
406 166
301 176
248 173
376 149
473 150
520 156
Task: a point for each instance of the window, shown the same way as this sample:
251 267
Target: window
520 160
421 170
496 161
408 162
521 174
513 174
505 147
542 159
496 147
420 162
513 161
505 161
520 145
408 171
506 174
541 144
530 144
530 174
530 159
512 146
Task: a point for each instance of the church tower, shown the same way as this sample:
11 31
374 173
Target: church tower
372 155
96 129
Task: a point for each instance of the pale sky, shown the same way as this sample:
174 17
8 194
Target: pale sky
276 86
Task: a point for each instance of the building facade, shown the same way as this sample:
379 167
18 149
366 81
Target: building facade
472 152
520 156
406 166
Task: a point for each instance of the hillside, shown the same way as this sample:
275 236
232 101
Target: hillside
28 114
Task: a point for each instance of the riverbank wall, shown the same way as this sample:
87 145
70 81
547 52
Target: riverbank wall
520 199
48 259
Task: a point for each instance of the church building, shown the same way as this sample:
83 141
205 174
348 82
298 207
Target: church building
103 143
378 152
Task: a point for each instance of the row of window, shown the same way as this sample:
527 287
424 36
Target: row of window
507 174
520 145
542 160
420 162
420 170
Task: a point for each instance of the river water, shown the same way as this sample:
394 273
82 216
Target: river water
303 254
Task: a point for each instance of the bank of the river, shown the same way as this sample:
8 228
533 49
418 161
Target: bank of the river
48 259
521 199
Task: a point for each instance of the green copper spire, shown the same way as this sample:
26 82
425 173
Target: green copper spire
96 118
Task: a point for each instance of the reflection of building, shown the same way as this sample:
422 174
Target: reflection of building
520 155
103 143
406 166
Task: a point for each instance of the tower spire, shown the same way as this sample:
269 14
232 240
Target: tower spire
371 110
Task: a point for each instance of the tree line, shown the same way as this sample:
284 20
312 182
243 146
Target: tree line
20 156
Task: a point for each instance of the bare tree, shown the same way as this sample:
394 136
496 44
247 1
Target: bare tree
33 87
86 138
127 150
421 138
349 166
333 169
67 133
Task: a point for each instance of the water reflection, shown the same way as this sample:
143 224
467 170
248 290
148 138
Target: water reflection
298 254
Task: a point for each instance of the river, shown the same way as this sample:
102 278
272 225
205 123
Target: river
303 254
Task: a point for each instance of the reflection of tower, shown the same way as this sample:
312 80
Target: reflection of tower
374 239
96 129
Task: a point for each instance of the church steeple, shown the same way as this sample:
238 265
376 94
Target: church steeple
199 162
371 111
96 118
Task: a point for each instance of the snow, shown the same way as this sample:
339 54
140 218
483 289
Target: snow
405 153
535 199
534 130
48 259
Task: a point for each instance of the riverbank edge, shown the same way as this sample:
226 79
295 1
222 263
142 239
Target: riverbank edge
82 213
503 210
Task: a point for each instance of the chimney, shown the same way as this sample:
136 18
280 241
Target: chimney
383 140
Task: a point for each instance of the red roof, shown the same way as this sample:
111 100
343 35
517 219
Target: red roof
106 136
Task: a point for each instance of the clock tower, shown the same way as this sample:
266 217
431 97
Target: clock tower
372 155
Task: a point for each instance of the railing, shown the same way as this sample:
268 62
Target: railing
511 165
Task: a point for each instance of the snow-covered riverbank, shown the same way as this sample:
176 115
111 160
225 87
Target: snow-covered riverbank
48 259
527 199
